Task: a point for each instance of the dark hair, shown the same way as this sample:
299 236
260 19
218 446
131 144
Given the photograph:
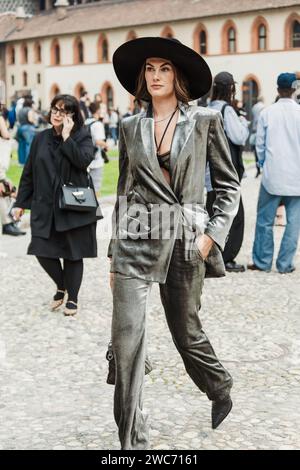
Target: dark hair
285 92
83 93
94 107
223 92
71 105
28 101
180 85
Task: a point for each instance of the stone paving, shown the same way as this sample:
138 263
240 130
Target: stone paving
53 393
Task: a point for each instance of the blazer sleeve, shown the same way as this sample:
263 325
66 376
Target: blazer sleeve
26 185
121 187
225 183
80 153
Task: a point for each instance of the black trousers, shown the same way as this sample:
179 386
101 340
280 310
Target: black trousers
66 277
236 233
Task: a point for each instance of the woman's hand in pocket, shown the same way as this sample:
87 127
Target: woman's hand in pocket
204 244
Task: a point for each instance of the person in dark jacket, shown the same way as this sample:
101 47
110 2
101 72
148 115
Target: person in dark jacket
59 155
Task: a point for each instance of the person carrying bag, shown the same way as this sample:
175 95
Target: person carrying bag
58 160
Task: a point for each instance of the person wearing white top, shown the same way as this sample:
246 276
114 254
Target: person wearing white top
236 130
278 151
98 137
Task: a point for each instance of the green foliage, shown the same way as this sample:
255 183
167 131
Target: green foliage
110 175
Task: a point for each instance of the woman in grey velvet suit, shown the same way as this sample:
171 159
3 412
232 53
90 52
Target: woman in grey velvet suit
161 230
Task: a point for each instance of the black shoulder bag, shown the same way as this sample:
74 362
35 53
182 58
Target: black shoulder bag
79 199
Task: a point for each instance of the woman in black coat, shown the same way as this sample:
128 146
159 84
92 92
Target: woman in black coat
59 155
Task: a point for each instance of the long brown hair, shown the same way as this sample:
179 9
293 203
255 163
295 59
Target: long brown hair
180 86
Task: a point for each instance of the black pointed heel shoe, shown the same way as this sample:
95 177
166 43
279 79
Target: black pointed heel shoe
220 410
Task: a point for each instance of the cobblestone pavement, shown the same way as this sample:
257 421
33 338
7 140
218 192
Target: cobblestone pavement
53 393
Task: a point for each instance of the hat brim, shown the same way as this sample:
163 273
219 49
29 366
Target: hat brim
129 58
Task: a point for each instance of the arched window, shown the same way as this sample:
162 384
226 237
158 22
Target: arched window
54 90
11 55
262 38
37 53
259 34
79 88
250 91
131 35
167 32
105 50
103 53
78 51
108 95
55 52
25 79
296 34
292 31
200 39
12 79
24 54
229 38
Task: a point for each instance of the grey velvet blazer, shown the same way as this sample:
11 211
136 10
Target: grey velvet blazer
143 240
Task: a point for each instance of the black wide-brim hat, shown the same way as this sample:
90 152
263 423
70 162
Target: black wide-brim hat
129 58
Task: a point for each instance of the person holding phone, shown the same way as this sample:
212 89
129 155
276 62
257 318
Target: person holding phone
59 155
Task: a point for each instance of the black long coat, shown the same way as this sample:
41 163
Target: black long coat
45 171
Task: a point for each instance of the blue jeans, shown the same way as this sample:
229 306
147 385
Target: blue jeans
25 136
263 247
114 134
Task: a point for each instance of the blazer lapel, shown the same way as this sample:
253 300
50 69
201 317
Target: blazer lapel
180 148
146 131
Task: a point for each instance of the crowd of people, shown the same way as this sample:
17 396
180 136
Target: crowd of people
22 121
68 149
